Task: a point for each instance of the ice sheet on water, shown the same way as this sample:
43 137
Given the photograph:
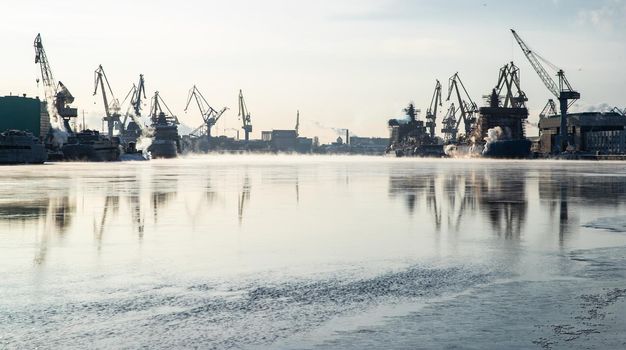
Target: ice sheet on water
612 223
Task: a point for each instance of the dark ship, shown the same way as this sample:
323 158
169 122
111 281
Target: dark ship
165 138
411 137
90 145
21 147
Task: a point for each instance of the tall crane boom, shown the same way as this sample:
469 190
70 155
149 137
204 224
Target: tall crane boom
112 106
209 115
245 116
563 90
57 95
537 66
135 100
467 107
431 113
47 78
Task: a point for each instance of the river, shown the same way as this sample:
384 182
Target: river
313 252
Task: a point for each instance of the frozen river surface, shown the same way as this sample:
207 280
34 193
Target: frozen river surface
286 252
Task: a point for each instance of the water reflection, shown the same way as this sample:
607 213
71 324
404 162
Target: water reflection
444 199
501 198
244 197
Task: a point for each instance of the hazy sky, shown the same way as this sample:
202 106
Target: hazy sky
344 63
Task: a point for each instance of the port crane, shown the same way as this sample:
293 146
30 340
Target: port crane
450 124
135 93
245 116
509 80
466 107
112 106
209 115
57 95
548 110
562 91
157 113
431 112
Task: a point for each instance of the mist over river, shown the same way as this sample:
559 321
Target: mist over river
313 252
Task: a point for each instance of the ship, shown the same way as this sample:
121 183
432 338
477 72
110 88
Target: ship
21 147
500 127
165 138
90 145
409 137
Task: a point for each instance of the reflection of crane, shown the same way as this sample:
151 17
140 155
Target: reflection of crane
431 112
467 107
245 116
562 91
245 197
57 96
209 115
112 107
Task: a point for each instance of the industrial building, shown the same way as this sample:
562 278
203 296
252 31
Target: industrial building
24 113
368 145
594 132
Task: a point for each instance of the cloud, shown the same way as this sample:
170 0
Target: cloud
609 17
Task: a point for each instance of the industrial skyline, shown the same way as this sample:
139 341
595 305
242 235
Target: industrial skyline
343 64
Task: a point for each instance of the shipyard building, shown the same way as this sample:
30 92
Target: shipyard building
24 113
595 132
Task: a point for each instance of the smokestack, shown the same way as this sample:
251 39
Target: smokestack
347 137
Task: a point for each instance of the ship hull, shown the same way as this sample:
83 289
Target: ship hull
163 149
20 147
33 154
92 153
508 149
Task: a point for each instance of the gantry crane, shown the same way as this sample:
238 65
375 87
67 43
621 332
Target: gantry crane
58 96
562 91
245 116
509 80
112 106
135 127
467 107
450 124
209 115
548 110
431 112
157 113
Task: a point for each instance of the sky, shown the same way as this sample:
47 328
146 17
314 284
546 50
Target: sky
342 63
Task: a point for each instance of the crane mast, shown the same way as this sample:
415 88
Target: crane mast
431 113
450 124
112 107
57 96
157 112
467 108
562 91
209 115
245 116
297 128
135 100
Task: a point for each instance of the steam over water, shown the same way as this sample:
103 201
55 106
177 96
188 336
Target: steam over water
313 253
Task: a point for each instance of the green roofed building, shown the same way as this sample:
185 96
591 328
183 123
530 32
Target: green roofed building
24 113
